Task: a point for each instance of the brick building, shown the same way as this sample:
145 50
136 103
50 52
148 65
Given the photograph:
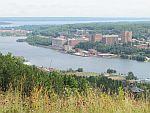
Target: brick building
74 42
110 39
96 38
126 37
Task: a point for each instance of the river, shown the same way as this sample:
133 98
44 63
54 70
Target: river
47 57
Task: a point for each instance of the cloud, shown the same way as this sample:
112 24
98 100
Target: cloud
94 8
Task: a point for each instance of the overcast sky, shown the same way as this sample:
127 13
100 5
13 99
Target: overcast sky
90 8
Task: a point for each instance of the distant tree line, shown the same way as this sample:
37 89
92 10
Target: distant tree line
123 50
139 29
37 40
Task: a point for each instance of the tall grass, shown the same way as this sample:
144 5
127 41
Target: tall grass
93 102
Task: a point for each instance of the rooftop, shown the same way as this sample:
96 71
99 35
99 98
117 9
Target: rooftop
136 90
58 38
110 36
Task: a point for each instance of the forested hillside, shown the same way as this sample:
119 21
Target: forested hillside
139 29
28 89
14 74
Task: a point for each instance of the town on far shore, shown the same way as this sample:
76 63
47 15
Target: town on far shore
74 44
69 44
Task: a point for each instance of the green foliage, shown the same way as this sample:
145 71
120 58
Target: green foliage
131 76
140 29
111 71
29 89
105 84
80 70
123 50
13 73
37 40
138 58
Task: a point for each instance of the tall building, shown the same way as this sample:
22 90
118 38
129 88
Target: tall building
58 42
91 38
126 37
96 38
110 39
74 42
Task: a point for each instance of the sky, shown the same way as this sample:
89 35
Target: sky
75 8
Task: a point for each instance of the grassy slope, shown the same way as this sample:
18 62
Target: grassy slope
13 102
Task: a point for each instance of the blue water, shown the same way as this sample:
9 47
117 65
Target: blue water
43 57
47 57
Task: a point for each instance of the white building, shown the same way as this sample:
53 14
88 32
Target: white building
58 43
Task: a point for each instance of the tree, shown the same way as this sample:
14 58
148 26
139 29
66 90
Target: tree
131 76
80 69
111 71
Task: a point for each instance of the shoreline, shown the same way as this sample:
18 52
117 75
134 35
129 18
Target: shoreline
93 59
113 76
64 52
61 51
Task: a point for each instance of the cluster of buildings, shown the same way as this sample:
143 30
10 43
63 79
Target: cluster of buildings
142 43
92 52
59 42
63 43
67 44
125 37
